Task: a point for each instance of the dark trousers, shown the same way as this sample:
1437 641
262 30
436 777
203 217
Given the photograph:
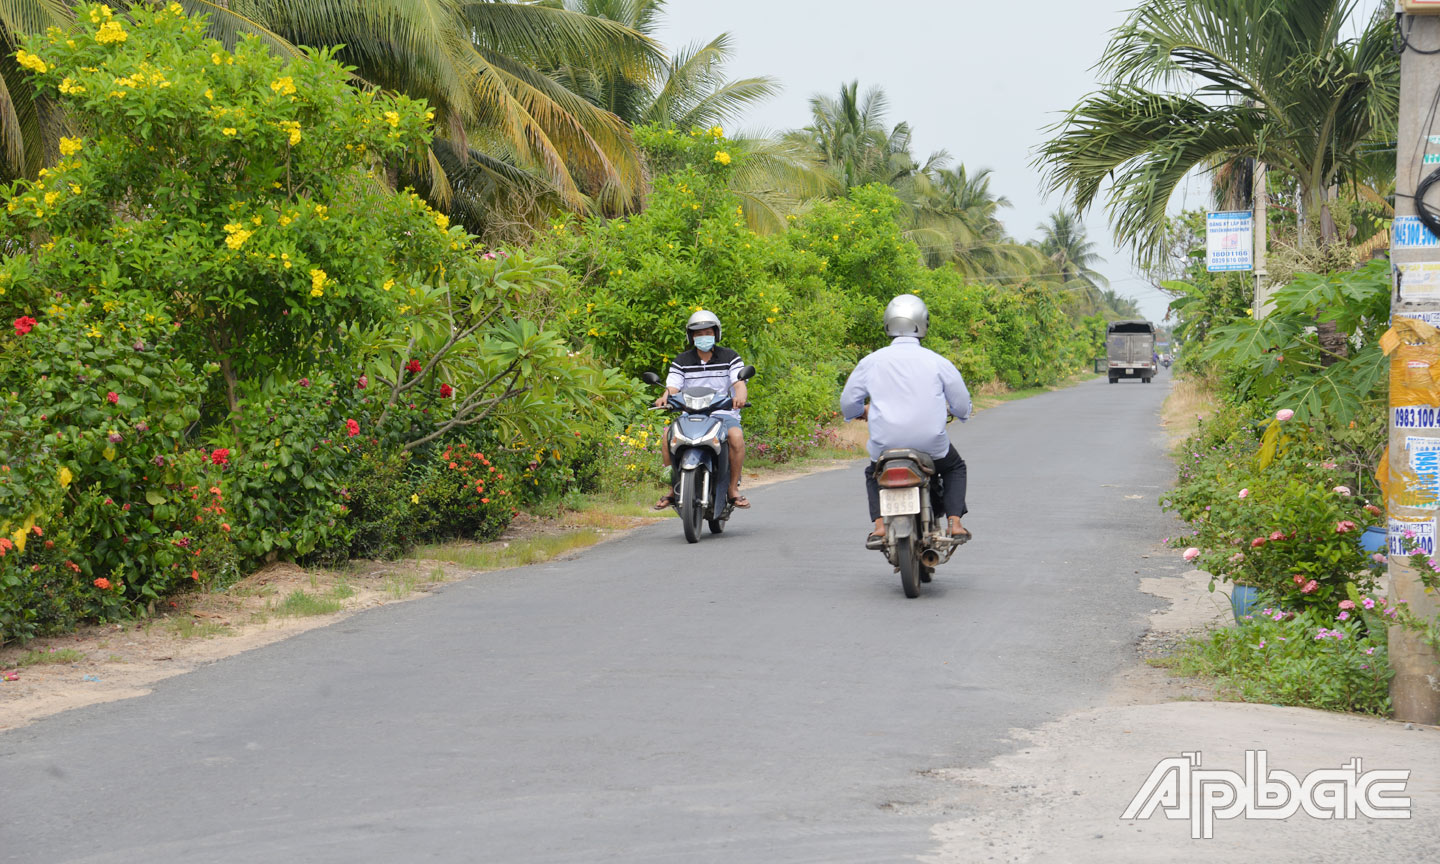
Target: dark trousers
949 471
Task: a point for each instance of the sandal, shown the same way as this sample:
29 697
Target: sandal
666 501
741 502
875 541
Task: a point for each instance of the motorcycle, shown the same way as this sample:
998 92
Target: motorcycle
1165 362
699 457
916 540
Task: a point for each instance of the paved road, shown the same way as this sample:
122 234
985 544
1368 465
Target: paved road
768 695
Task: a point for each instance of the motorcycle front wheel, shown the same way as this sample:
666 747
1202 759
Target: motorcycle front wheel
690 515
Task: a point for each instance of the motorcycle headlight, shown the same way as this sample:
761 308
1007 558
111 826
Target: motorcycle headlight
697 402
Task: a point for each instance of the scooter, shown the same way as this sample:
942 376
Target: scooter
699 457
916 540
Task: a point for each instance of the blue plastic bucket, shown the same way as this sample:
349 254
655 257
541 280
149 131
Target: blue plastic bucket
1372 541
1243 598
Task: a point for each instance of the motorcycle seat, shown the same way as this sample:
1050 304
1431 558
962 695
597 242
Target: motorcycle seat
924 460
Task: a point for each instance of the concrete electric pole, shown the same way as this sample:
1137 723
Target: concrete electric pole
1414 409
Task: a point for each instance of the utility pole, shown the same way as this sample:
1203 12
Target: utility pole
1262 202
1415 689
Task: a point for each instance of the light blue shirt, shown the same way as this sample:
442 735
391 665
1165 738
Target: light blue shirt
909 388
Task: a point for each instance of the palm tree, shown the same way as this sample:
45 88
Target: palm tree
476 63
960 207
1193 83
29 126
848 134
1063 242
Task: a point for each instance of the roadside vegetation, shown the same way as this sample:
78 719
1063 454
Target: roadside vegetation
271 300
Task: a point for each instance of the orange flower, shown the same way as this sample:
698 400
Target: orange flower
102 583
195 574
225 526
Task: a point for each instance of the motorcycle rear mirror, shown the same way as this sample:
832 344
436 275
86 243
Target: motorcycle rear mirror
650 378
746 373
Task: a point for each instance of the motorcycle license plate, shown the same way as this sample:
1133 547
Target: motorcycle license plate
900 502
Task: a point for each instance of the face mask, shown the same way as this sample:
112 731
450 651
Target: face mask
704 343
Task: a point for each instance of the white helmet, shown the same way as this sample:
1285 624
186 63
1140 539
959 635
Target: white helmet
699 321
907 316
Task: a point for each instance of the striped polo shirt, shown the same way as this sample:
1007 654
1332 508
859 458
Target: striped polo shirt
720 374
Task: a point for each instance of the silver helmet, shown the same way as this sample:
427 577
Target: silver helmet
907 316
700 320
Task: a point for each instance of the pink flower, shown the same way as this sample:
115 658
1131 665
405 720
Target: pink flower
1244 493
1284 414
1329 466
1343 491
113 397
1344 526
1277 535
363 382
1368 602
1299 579
1310 587
1191 554
1257 542
304 382
1347 604
1378 558
1343 616
1237 557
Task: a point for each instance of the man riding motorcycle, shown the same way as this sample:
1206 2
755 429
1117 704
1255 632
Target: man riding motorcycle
911 390
708 364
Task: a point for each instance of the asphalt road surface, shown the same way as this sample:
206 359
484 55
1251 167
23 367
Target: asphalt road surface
767 695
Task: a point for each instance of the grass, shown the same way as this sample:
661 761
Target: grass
188 628
299 605
52 657
517 553
400 585
1190 399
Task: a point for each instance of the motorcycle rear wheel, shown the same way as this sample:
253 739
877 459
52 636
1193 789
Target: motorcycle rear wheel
909 563
690 515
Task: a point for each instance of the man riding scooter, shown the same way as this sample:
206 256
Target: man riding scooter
911 390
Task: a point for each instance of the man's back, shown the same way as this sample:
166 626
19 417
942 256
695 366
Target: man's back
911 389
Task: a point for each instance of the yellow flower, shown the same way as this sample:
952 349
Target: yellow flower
769 320
209 94
317 282
109 32
322 212
65 477
717 131
51 198
722 157
215 58
100 12
415 498
389 283
237 239
70 146
70 87
283 86
30 61
775 309
317 292
228 130
175 9
257 220
293 128
442 220
392 118
93 332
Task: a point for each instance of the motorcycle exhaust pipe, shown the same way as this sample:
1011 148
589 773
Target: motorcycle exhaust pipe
930 558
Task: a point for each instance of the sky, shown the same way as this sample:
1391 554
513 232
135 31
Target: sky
978 79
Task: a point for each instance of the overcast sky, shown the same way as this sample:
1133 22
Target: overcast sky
979 79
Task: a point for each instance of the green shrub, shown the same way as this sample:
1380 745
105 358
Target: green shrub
1304 658
461 493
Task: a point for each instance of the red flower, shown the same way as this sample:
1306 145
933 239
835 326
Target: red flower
102 583
23 325
363 382
113 397
413 367
352 428
445 391
1257 542
195 574
221 456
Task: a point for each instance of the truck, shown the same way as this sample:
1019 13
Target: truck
1130 350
